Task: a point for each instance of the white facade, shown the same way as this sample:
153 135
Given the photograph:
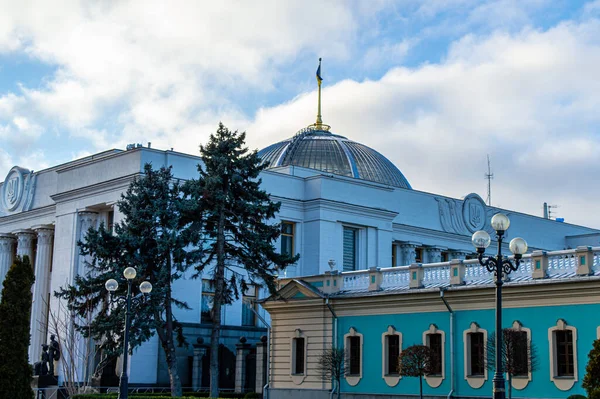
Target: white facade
43 214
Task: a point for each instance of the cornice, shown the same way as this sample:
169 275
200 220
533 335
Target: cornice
567 292
102 187
33 214
321 203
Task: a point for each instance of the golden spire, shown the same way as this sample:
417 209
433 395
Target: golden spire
319 123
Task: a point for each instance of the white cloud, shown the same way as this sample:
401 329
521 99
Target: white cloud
527 99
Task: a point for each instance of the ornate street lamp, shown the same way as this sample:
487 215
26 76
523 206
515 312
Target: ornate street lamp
145 288
500 266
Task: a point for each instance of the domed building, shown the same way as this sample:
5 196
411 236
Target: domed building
322 150
369 245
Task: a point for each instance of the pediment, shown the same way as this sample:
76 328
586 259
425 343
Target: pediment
298 289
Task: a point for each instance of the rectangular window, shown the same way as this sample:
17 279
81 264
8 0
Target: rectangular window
298 356
354 343
249 304
350 247
477 347
110 222
208 296
394 255
564 353
393 352
434 341
520 349
288 230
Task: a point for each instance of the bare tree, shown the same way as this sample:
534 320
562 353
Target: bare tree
519 354
416 361
77 351
331 366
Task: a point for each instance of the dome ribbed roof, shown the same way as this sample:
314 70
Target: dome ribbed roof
331 153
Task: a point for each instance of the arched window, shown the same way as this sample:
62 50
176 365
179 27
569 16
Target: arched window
435 339
391 342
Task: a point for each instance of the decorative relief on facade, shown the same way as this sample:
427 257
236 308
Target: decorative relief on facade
17 190
465 216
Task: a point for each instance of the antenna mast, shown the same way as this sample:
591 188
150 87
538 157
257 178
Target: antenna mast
489 176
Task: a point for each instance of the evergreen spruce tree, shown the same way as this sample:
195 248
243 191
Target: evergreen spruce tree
591 380
15 314
237 235
152 239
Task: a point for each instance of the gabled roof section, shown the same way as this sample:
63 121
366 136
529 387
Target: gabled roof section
296 290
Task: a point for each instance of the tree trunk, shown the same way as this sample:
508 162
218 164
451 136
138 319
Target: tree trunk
421 386
509 386
166 340
215 335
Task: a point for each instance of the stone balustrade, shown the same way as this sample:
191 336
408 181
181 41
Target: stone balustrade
582 261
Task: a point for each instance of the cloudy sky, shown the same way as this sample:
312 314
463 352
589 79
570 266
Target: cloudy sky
434 85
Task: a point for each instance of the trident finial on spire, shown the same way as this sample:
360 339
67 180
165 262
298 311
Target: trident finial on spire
319 123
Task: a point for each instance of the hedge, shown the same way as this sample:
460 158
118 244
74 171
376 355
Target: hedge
164 395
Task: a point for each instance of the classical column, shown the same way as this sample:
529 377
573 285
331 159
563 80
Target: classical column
25 243
7 251
433 254
200 349
408 253
262 352
39 308
86 220
458 254
242 350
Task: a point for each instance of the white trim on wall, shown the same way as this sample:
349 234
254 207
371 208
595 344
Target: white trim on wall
474 381
391 379
435 381
353 379
564 383
520 382
298 378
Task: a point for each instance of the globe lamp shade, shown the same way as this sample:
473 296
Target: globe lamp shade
129 273
500 222
481 239
146 287
518 246
111 285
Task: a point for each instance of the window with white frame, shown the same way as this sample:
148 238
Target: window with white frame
350 247
288 233
391 342
475 341
249 306
353 347
562 340
208 299
435 339
298 345
563 355
518 342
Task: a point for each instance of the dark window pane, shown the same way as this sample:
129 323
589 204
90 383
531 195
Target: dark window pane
354 355
519 350
477 353
350 238
299 356
287 238
393 348
435 344
564 353
206 308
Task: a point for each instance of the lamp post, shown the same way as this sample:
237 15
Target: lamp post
500 266
145 288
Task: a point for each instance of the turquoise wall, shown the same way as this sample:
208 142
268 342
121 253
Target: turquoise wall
412 326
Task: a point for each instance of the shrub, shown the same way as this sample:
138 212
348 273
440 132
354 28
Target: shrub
577 397
15 314
595 394
252 395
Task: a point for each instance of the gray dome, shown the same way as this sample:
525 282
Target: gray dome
319 149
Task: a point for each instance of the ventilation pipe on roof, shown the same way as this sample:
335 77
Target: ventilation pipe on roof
452 361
